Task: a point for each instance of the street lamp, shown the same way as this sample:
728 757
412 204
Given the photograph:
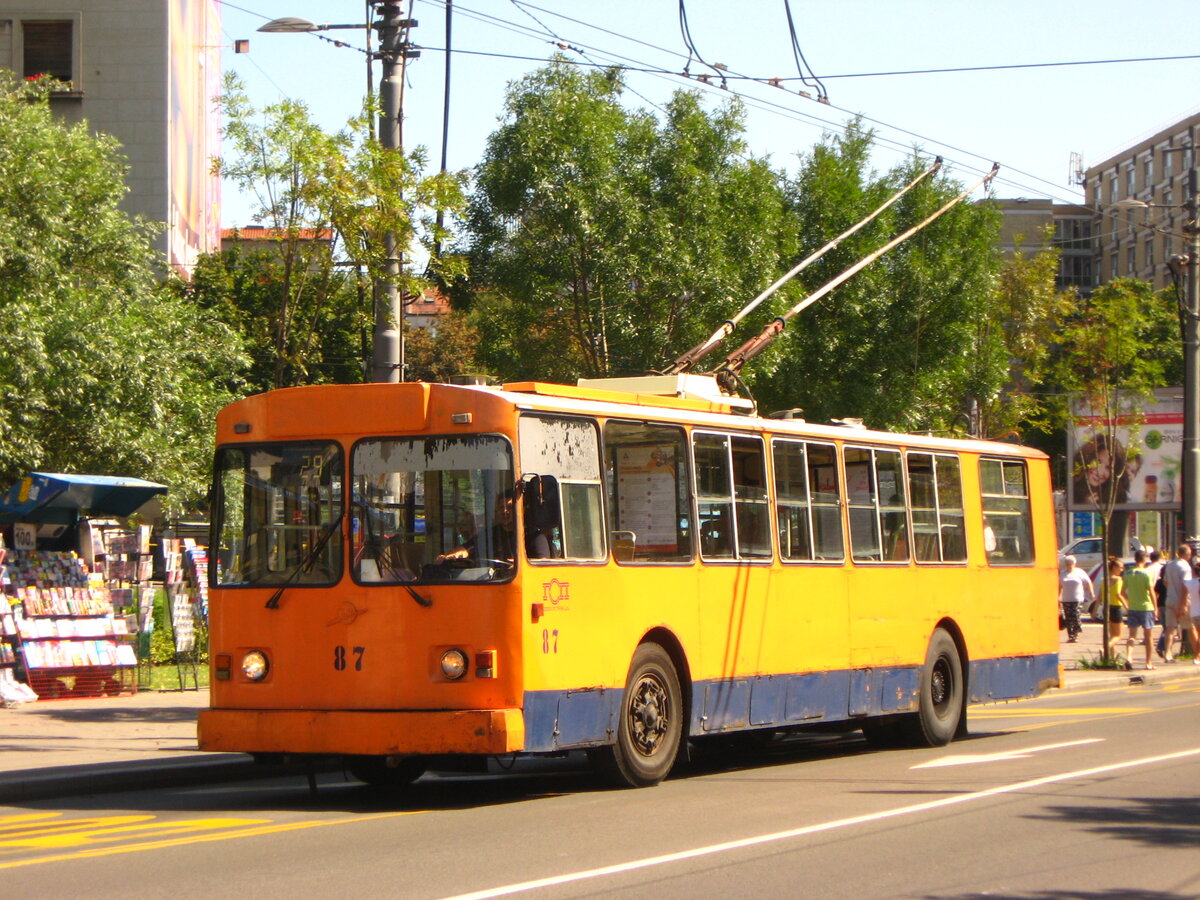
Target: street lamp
1189 313
387 354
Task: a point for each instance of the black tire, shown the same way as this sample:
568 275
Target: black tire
941 694
650 730
376 771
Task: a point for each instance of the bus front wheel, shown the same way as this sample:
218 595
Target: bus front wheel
651 723
386 772
941 694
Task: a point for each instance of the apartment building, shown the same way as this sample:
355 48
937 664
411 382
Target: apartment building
145 72
1027 224
1139 243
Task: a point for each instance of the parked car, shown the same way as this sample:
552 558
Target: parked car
1088 551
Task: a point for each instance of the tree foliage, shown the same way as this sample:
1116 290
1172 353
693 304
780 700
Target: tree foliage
347 191
894 344
1014 336
615 239
103 372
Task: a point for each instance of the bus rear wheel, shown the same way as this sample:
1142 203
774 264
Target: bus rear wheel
940 704
384 771
651 724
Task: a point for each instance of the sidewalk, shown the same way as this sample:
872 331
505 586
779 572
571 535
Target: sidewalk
59 747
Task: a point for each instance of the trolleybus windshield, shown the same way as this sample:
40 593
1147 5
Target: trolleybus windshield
432 510
277 504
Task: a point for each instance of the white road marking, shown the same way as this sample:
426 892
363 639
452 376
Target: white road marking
964 759
620 868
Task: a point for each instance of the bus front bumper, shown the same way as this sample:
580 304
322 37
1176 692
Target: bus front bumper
362 732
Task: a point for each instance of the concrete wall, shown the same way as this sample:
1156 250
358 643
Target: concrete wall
122 87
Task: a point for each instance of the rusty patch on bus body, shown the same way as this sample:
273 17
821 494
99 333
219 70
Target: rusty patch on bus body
346 614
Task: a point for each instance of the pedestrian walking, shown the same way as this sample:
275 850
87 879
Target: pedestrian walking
1176 575
1139 592
1116 600
1073 588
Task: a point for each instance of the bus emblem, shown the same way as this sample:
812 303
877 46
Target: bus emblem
346 613
555 591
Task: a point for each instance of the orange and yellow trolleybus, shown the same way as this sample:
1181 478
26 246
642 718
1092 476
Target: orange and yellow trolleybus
402 573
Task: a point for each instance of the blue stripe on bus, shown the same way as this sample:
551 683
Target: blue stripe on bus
558 720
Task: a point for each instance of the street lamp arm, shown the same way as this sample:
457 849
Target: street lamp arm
295 25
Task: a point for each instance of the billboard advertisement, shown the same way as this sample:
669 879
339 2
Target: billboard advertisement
1143 458
194 138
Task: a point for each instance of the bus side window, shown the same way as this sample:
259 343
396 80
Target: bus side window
568 450
1007 517
649 492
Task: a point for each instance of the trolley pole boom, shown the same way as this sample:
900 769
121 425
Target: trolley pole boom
739 357
685 362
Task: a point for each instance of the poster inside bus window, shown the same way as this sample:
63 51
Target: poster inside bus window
645 495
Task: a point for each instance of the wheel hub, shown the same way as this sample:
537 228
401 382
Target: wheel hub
649 716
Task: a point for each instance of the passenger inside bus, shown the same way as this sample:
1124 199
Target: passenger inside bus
502 534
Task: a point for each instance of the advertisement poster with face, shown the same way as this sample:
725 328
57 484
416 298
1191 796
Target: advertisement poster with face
1138 458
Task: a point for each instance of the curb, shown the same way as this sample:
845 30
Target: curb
103 778
1079 679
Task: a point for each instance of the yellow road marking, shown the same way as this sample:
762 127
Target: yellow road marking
28 817
202 839
1058 711
106 829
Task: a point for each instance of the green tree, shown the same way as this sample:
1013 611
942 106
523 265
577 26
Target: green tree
103 371
443 354
1103 365
348 191
614 238
893 345
1014 334
328 340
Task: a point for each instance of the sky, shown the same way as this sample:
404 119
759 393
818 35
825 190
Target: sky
1030 119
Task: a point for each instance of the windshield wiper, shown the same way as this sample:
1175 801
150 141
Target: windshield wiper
307 563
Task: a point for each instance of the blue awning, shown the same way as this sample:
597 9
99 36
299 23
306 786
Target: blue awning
56 497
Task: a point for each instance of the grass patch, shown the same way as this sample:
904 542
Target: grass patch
167 677
1115 662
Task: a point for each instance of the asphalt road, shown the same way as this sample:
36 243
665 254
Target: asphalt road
1081 796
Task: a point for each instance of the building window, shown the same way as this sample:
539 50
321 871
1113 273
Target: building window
1149 173
1074 271
1131 180
1149 252
1168 163
1112 188
1112 266
42 46
1131 259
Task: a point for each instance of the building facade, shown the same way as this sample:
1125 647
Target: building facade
1139 243
145 72
1027 225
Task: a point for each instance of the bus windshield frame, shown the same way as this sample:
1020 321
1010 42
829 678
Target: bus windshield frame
433 510
276 505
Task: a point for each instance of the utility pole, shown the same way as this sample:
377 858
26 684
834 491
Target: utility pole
388 346
1190 470
387 352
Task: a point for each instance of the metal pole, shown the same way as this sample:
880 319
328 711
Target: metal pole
1190 470
388 347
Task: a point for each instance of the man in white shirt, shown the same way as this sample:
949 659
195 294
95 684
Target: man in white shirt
1182 604
1073 589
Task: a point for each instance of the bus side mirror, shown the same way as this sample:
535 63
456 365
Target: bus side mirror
542 507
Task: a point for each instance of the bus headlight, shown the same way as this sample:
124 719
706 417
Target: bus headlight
454 664
255 665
